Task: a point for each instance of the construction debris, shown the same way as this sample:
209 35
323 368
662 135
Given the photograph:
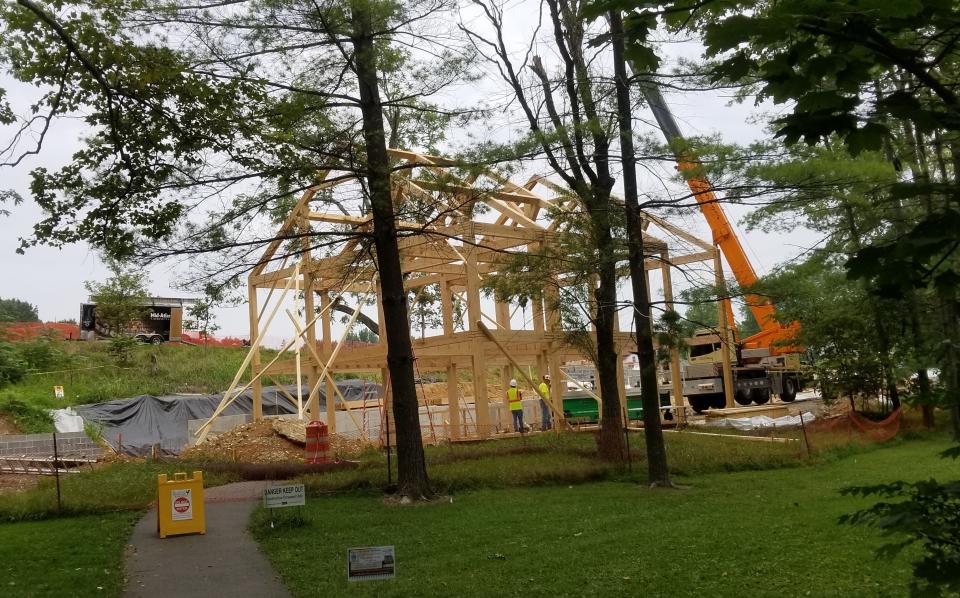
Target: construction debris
256 442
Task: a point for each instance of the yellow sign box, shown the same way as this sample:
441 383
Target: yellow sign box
180 505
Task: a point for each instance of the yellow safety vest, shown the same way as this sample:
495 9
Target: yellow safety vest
514 397
545 390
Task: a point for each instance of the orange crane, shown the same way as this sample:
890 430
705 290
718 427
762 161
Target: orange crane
773 335
768 361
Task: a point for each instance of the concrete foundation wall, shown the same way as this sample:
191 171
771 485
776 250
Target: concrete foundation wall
71 444
434 422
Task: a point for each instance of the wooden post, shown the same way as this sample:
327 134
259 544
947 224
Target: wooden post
296 348
479 362
726 341
453 388
387 403
557 388
621 389
325 326
453 401
507 372
446 307
551 299
538 315
310 307
553 324
676 381
255 347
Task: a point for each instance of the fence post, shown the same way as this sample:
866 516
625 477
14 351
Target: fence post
56 466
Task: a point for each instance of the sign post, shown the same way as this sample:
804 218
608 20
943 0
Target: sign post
291 495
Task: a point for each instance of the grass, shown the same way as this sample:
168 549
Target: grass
538 460
768 533
90 374
568 459
115 487
74 556
569 493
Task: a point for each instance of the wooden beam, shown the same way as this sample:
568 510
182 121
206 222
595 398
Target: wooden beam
482 195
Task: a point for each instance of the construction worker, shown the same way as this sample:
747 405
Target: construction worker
545 423
515 400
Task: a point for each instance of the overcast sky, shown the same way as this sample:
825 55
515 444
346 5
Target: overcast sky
52 279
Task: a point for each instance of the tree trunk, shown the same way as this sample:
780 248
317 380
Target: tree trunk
412 477
657 470
883 339
951 360
612 443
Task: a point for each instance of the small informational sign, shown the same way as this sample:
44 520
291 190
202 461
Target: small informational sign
375 562
58 392
293 495
181 505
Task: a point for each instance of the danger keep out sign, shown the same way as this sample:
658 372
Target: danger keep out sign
294 495
181 505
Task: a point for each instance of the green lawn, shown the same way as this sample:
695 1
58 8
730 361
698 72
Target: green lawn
114 487
768 533
73 556
570 458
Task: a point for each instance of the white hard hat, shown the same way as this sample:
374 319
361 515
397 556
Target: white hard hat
513 383
546 376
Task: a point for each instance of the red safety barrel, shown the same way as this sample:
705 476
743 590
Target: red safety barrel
318 443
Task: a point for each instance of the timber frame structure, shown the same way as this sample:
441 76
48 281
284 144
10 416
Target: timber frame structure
457 249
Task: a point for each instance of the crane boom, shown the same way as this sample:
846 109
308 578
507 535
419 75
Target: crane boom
771 330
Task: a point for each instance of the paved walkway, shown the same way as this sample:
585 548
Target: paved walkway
223 562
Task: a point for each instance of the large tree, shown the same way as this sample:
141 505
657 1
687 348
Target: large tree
17 310
241 102
568 113
643 317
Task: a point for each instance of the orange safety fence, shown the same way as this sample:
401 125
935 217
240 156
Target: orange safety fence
24 331
852 428
196 338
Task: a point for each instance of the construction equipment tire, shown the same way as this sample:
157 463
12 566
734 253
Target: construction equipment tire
699 403
789 390
760 396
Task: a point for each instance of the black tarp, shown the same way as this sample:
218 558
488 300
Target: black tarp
146 420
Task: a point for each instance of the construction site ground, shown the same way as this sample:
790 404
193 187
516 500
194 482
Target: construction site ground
282 441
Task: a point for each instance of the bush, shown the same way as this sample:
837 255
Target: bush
27 417
122 347
42 353
12 366
925 513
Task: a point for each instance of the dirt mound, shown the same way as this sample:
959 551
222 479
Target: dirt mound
255 442
341 447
